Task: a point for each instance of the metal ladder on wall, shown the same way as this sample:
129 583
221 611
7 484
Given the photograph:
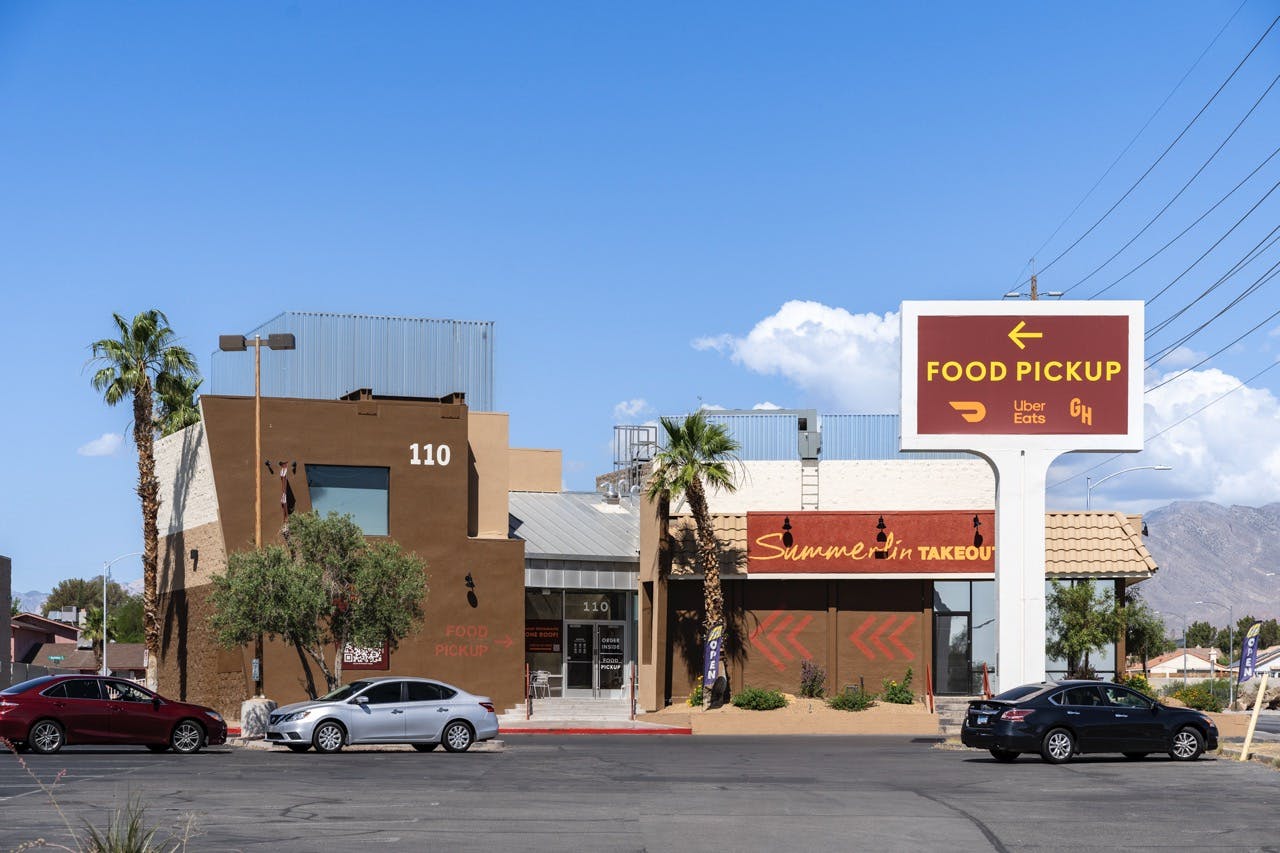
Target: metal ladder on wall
808 484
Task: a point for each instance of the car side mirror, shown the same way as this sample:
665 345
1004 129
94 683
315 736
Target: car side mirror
155 703
361 700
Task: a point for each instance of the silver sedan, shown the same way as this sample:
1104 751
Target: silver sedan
392 709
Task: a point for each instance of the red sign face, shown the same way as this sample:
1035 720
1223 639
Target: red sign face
542 635
922 543
1023 375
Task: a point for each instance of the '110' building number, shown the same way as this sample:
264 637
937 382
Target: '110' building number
430 454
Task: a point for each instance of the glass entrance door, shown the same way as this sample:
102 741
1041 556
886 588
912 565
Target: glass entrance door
595 659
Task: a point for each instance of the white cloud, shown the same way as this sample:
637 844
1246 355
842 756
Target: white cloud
849 361
108 444
629 410
1180 358
1227 453
766 406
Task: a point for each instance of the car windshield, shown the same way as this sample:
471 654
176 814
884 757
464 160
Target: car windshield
1019 692
24 686
345 692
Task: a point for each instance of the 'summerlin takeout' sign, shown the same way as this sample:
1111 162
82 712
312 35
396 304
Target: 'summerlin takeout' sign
942 542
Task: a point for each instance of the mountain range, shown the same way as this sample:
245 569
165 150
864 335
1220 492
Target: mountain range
1216 562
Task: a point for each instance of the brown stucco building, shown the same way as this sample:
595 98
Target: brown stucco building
428 473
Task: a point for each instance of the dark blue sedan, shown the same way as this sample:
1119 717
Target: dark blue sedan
1059 719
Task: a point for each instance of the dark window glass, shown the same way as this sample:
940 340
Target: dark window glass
351 490
1016 693
57 691
425 691
83 689
24 686
951 596
1077 697
1126 698
383 692
120 691
344 692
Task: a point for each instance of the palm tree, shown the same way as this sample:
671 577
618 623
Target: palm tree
92 631
697 455
143 358
178 407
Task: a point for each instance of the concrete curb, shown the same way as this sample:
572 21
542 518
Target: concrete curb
584 730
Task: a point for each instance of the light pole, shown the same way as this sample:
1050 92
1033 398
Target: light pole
1090 485
106 576
1231 647
239 343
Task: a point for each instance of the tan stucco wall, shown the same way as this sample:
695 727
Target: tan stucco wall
487 435
535 470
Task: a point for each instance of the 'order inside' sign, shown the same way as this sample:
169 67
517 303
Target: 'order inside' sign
1029 369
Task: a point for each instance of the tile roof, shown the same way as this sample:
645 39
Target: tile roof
1077 545
575 526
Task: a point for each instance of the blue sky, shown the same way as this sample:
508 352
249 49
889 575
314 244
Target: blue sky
660 207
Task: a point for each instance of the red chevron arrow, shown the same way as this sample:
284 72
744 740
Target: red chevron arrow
907 654
505 642
773 636
875 637
796 644
856 637
762 645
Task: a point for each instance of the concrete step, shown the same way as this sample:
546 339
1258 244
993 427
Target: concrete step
571 710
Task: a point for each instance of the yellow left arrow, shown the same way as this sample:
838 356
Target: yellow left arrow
1016 335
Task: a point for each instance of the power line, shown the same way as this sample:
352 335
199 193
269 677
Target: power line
1167 149
1183 232
1250 256
1178 194
1178 422
1267 276
1141 130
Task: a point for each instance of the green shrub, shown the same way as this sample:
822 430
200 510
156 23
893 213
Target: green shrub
758 699
1138 682
853 699
1198 696
813 680
695 698
899 692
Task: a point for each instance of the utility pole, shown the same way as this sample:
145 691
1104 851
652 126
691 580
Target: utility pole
1035 291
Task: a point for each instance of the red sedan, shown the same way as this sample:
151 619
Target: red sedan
46 713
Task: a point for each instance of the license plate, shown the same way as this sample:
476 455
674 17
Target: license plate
982 721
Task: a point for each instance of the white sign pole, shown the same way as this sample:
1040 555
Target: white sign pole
1019 575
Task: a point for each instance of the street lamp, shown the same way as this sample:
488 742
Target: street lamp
1231 647
239 343
106 575
1090 485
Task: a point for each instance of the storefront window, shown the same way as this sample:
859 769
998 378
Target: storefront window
360 492
544 604
951 596
589 606
1102 662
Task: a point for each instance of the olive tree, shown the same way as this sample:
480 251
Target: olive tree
1081 620
329 588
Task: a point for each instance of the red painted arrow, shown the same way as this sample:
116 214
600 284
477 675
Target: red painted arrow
505 641
856 637
796 644
875 637
762 644
907 654
773 636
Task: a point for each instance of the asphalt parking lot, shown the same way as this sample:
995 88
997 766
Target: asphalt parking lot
653 793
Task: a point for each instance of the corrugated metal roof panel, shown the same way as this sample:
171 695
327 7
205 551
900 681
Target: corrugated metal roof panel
338 353
575 526
869 437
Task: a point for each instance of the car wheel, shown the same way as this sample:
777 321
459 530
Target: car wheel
298 747
45 737
1005 755
1187 745
425 747
328 737
187 737
457 737
158 747
1135 756
1057 746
